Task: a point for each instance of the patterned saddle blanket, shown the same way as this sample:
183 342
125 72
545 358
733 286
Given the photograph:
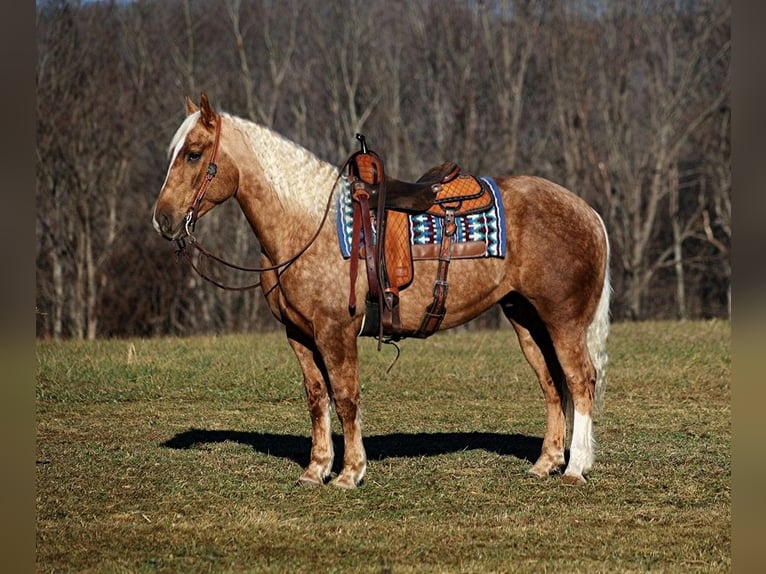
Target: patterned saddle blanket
479 233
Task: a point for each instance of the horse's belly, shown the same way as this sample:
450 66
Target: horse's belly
474 285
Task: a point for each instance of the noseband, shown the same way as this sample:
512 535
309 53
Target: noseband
212 168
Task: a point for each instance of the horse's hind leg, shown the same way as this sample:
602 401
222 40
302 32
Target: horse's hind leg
572 351
551 457
538 350
317 394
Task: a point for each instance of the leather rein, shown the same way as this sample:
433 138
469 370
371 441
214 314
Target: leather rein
193 214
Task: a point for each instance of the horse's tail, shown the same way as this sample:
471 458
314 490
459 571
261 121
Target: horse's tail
598 331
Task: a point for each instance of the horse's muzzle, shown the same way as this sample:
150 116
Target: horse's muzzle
165 226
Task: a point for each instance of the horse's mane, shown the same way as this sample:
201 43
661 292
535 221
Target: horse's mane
297 175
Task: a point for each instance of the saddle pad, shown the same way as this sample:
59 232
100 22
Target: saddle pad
478 234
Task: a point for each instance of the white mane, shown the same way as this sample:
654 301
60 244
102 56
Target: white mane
297 175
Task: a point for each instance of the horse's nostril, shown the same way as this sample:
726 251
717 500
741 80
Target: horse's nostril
164 222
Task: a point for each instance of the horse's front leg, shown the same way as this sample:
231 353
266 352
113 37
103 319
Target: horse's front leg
339 351
317 394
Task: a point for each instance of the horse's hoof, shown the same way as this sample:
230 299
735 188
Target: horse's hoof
309 479
345 484
543 468
344 481
573 479
304 482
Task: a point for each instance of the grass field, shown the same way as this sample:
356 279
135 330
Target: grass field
181 455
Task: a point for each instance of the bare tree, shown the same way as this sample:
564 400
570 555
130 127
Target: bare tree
633 124
343 42
509 34
86 170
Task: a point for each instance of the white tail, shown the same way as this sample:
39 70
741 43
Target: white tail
598 331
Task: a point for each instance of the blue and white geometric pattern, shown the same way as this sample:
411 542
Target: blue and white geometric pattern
487 227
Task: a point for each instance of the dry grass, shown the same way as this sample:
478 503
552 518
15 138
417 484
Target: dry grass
180 455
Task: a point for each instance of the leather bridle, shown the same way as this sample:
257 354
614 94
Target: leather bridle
212 169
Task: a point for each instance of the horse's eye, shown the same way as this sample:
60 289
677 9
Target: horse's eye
193 156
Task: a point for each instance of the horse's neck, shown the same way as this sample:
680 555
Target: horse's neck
284 189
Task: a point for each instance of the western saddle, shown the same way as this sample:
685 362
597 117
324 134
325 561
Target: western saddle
383 204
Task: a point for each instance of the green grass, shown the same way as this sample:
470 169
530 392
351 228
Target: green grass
181 455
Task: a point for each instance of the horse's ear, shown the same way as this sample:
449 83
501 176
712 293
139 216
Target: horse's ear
191 107
206 110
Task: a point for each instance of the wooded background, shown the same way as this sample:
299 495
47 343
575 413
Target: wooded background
625 103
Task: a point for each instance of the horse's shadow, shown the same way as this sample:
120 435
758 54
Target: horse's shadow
378 447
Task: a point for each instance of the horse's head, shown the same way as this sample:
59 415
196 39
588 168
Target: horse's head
200 176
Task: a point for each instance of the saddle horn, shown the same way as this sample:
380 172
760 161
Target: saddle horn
362 141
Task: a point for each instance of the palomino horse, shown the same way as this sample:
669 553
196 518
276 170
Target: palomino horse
553 284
